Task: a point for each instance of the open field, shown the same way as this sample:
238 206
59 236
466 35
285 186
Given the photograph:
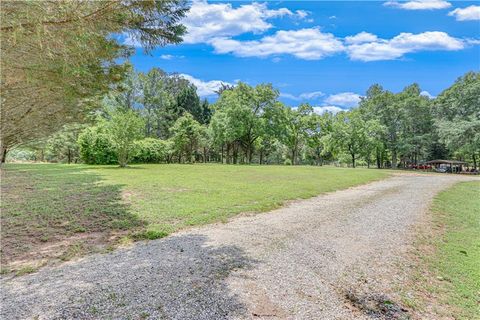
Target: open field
53 211
447 277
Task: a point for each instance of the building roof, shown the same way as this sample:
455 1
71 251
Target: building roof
440 161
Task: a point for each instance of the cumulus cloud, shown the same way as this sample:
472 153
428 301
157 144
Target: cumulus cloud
205 88
465 14
361 37
419 4
324 109
427 94
344 99
308 44
303 96
206 21
381 49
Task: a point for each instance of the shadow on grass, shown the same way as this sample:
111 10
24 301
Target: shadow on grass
180 277
57 212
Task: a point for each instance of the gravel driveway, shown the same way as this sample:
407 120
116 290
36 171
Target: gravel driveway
330 257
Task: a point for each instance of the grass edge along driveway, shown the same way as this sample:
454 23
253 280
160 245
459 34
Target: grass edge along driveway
446 279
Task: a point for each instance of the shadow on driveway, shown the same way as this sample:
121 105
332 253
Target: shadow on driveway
179 277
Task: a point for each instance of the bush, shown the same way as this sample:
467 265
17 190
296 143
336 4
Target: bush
96 147
287 162
151 150
21 155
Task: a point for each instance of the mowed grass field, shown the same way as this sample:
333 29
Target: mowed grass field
457 252
55 212
445 280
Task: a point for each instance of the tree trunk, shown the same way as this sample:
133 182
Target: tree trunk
293 157
379 163
394 159
261 157
473 156
228 153
235 153
353 160
69 156
3 151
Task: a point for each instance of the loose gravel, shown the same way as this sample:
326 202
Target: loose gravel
330 257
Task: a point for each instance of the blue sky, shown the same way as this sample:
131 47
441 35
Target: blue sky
324 52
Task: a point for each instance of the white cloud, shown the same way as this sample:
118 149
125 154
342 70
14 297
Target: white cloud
170 57
361 37
468 13
419 4
303 96
402 44
308 44
205 88
427 94
344 99
302 14
311 95
324 109
206 21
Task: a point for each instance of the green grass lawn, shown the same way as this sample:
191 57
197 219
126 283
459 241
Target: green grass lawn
457 259
83 206
449 272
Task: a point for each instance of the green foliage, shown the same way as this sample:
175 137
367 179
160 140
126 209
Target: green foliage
62 146
59 57
21 155
124 128
151 150
240 118
457 116
186 136
95 146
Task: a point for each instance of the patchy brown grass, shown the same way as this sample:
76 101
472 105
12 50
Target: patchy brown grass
52 213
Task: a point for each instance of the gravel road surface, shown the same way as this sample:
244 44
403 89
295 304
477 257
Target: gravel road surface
329 257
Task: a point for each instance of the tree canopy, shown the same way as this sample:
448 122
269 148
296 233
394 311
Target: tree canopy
60 57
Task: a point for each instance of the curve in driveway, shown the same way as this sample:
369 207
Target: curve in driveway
328 257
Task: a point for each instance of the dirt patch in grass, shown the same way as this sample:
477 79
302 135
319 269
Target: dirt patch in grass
53 215
376 306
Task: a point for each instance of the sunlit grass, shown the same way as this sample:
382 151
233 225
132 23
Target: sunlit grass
457 256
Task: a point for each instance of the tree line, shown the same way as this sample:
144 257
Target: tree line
156 117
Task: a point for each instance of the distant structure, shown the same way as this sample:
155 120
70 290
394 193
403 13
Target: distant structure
452 166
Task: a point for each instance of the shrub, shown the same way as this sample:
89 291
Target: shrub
96 147
151 150
21 155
